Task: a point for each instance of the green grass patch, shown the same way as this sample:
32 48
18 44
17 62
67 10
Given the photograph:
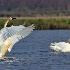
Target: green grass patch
40 23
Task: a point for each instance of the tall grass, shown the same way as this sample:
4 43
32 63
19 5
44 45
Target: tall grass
41 23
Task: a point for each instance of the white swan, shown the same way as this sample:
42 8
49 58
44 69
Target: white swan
10 35
60 46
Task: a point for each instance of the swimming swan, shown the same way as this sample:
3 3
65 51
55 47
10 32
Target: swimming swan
10 35
61 46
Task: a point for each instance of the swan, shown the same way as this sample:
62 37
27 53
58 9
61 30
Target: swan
10 35
60 46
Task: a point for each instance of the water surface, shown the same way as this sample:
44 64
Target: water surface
33 52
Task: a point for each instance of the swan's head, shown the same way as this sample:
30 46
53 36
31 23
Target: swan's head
11 18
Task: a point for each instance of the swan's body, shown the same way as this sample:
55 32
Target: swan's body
10 35
60 47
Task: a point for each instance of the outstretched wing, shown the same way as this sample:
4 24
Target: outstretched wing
10 41
9 31
20 34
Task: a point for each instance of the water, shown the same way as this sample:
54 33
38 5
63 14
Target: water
33 52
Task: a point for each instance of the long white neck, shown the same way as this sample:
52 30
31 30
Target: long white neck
6 23
10 18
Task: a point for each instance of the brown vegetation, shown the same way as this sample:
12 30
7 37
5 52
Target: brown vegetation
34 8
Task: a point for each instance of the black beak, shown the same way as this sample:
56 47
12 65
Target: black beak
13 18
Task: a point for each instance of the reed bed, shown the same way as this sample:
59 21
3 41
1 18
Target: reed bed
40 23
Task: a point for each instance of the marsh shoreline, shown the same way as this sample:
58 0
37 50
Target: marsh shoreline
41 23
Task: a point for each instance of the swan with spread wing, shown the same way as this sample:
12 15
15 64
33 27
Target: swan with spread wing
10 35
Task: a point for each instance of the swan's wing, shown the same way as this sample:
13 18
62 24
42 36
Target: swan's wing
9 31
20 34
9 42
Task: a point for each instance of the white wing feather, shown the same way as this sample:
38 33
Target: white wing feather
10 35
8 32
20 34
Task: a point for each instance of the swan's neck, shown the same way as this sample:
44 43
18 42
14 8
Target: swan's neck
6 23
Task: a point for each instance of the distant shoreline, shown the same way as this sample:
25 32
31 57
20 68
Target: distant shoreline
41 23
